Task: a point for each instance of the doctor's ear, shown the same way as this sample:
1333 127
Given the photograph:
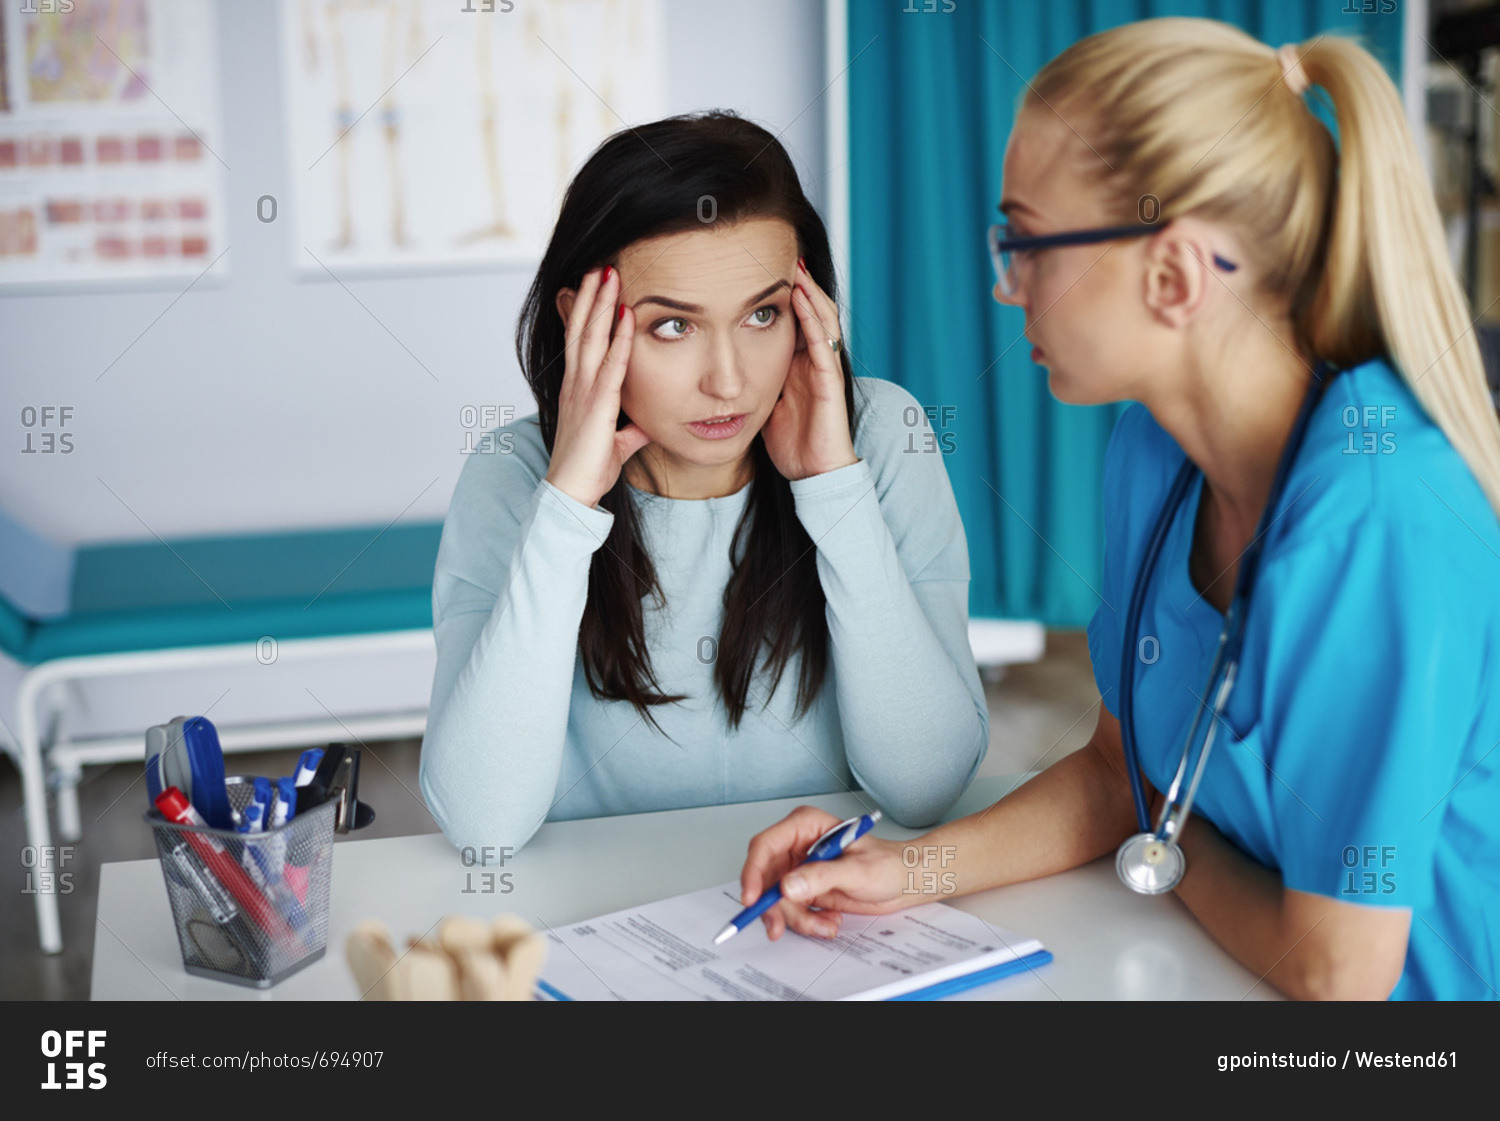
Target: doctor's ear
1177 273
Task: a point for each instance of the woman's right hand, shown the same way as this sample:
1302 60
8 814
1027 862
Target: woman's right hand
588 452
866 880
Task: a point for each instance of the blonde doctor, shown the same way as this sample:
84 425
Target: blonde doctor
1302 551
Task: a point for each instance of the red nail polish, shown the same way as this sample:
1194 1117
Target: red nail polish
608 269
801 264
622 312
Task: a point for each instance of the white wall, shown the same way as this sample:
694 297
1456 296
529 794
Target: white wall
271 403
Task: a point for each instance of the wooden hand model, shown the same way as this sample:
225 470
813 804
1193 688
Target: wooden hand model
469 960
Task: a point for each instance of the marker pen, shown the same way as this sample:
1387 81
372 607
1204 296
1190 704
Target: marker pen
176 808
307 765
254 818
216 903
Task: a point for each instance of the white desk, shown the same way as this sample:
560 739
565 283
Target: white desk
1109 943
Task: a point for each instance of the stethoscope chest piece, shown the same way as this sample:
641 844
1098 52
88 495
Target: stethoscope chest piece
1150 865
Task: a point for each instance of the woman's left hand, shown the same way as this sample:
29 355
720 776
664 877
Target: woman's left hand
808 431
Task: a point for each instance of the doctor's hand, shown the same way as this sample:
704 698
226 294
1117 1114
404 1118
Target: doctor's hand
866 880
587 451
808 431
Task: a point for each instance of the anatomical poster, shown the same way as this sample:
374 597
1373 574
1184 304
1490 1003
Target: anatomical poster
441 136
110 142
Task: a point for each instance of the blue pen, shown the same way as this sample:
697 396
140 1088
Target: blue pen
253 819
307 765
284 804
267 877
262 870
829 845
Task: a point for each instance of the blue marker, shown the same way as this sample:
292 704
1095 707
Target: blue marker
284 805
261 865
829 845
268 878
307 765
253 818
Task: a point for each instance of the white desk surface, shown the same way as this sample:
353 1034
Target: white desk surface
1108 942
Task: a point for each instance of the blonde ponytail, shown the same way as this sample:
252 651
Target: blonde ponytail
1201 118
1386 252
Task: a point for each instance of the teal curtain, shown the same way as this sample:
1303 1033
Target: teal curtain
931 99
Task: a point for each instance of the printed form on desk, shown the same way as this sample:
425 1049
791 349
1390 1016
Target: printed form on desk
666 951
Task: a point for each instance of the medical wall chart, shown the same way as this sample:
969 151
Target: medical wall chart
441 136
110 142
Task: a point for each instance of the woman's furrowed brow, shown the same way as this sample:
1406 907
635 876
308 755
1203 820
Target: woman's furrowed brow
697 309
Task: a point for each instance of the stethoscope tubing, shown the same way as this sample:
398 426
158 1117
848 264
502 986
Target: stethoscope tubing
1158 538
1179 801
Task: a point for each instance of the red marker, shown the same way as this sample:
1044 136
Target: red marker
175 806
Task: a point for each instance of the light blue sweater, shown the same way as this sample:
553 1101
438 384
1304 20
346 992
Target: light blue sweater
515 737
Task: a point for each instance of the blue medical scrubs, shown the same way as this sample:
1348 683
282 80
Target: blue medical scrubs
1360 755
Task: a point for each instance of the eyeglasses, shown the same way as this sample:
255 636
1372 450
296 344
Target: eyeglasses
1006 247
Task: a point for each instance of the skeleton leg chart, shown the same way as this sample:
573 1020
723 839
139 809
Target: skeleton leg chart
390 115
547 25
484 111
489 134
389 13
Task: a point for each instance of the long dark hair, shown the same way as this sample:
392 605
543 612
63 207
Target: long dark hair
686 173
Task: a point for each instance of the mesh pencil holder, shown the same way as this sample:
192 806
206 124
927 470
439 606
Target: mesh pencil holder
250 908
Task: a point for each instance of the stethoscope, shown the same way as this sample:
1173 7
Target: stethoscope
1151 861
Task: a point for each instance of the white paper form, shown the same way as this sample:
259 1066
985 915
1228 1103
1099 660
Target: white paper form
665 951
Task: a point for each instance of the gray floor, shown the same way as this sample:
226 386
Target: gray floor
1038 713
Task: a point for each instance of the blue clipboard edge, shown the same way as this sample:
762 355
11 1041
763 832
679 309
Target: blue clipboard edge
931 992
553 991
981 977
